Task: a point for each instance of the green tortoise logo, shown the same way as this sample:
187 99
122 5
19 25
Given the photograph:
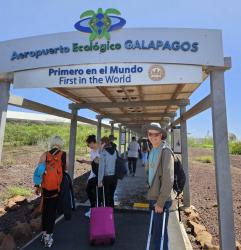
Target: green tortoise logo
100 24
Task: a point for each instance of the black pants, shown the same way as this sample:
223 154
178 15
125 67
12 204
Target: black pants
110 184
49 214
91 191
132 164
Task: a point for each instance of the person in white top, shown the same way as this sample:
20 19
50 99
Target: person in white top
133 151
94 162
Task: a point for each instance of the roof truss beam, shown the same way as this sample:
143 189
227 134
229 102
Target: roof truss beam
21 102
167 102
137 115
201 106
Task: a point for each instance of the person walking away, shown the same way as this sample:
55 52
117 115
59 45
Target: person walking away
160 172
106 174
94 162
133 151
55 160
145 150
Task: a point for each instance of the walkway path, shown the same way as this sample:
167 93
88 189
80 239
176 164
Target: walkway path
131 225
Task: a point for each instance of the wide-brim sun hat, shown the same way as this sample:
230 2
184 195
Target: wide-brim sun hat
158 129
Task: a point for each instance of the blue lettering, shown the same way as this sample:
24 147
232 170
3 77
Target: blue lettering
14 56
176 45
151 45
137 45
128 44
185 46
51 71
159 44
194 47
143 45
167 46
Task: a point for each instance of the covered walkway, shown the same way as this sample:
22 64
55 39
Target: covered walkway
150 84
131 224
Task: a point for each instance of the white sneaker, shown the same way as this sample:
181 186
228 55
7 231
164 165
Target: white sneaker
87 214
43 236
48 240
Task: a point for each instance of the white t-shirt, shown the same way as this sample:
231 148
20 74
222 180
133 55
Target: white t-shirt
93 155
133 149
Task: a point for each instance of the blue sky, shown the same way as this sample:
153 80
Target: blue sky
28 18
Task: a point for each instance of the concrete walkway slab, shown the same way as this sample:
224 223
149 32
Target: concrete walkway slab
131 225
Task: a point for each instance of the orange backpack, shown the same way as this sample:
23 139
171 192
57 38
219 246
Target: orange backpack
53 175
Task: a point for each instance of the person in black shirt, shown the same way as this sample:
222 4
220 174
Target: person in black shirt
112 138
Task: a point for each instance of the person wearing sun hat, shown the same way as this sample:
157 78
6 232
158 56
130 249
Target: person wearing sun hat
160 174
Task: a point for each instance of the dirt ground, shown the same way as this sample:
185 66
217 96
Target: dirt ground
18 166
203 191
19 163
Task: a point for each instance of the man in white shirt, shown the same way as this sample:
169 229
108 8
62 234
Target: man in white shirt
133 150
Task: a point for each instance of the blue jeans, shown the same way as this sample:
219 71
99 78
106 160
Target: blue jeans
157 226
144 157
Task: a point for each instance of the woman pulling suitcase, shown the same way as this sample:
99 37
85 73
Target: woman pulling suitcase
160 172
106 173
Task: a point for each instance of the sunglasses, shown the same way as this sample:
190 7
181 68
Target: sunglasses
153 134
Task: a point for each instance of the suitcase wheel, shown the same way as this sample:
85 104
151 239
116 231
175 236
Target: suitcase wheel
92 242
112 241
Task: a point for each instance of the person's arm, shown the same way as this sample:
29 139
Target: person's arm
167 177
101 170
84 161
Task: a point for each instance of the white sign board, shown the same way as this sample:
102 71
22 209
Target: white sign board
108 75
150 45
177 141
123 138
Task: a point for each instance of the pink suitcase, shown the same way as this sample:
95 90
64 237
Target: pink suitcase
102 226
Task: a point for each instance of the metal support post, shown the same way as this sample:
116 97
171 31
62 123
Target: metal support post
222 163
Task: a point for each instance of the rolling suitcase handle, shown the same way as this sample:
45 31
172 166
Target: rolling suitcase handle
150 229
163 228
149 233
97 196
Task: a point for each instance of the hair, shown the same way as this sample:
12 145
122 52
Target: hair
55 141
90 139
105 140
133 138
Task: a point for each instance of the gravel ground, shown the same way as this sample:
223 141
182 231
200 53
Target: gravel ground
203 191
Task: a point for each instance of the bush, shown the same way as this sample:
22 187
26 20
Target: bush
14 191
205 159
235 148
27 133
206 142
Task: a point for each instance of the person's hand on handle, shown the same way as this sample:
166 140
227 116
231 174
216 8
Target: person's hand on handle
158 209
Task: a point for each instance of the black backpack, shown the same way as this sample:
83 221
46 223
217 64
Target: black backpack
120 167
179 176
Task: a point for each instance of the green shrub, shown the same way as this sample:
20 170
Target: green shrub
206 142
205 159
27 133
14 191
235 148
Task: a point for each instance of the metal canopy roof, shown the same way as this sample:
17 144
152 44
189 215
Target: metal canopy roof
132 105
